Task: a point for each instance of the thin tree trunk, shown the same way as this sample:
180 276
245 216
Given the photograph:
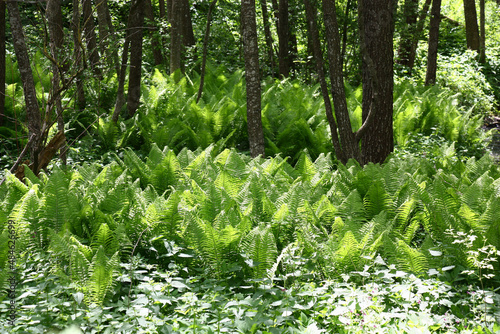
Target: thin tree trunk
186 24
318 57
155 42
284 39
410 15
344 28
2 62
106 34
267 34
347 139
134 79
56 37
32 108
120 98
471 28
78 55
430 77
416 35
176 36
482 40
250 45
163 12
205 47
376 33
90 37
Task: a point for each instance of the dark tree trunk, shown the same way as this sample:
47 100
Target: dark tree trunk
471 28
349 145
416 35
134 79
56 37
106 34
482 40
163 12
284 39
32 108
2 62
187 25
120 97
318 57
267 34
376 32
251 51
205 47
155 42
90 37
410 12
430 77
77 54
176 36
345 28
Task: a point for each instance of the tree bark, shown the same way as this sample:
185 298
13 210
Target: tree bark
430 77
32 108
471 28
106 34
318 58
416 36
90 37
482 40
205 47
186 24
78 56
2 62
410 13
155 42
120 98
251 51
56 37
267 34
176 36
134 79
349 145
284 39
376 33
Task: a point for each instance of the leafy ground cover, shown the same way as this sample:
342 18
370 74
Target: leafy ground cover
214 242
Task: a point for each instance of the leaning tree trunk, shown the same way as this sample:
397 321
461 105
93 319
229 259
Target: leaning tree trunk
56 37
349 145
251 51
430 77
32 108
134 79
318 58
205 47
471 29
2 62
376 33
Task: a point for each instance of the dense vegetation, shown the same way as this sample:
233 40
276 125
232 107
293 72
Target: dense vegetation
163 223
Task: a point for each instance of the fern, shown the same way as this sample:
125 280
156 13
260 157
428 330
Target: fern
259 246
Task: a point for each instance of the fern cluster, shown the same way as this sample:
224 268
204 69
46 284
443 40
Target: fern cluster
235 211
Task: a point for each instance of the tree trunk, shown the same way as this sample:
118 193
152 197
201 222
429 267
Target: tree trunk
482 40
2 62
56 37
186 24
345 28
90 37
410 13
176 36
430 77
205 47
349 145
376 34
251 51
318 57
120 98
267 34
416 36
284 39
77 54
106 34
161 4
471 29
134 79
155 42
32 108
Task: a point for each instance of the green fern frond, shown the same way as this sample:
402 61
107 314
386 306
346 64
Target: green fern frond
411 259
259 246
100 277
